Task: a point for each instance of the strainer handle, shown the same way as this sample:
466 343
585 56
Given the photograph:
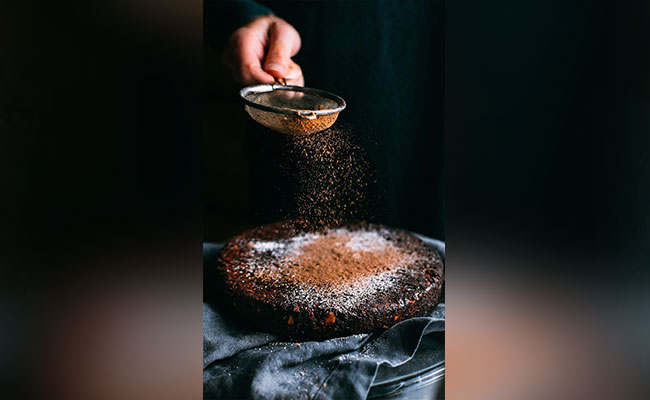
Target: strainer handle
306 114
281 81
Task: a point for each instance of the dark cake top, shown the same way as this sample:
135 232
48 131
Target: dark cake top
342 269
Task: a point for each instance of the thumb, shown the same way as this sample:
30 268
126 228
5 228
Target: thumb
284 43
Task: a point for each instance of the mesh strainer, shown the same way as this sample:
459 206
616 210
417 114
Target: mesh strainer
295 110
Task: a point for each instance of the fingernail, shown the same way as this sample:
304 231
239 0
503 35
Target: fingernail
275 67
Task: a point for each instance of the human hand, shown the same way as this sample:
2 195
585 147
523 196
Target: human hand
261 51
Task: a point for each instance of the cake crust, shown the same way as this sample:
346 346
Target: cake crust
302 285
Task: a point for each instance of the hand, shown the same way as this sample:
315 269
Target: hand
261 50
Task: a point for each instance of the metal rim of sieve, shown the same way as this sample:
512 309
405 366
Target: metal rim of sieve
266 88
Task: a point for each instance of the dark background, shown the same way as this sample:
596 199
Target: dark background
547 182
547 115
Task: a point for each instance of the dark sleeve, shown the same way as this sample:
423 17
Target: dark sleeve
222 17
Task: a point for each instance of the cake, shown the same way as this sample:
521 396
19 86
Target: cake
304 285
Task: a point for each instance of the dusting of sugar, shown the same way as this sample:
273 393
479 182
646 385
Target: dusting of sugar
281 247
345 297
268 246
339 269
368 241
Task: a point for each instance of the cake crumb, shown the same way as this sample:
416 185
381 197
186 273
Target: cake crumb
330 319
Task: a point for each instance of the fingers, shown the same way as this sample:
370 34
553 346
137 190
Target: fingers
250 68
244 54
294 75
265 37
284 43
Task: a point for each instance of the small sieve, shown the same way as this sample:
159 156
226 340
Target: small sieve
294 110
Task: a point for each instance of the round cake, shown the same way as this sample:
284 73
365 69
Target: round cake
302 285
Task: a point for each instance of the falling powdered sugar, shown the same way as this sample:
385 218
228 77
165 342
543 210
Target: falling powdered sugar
330 178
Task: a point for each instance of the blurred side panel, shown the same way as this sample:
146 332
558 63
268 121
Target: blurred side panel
100 124
548 181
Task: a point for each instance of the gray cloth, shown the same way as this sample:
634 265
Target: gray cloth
239 363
